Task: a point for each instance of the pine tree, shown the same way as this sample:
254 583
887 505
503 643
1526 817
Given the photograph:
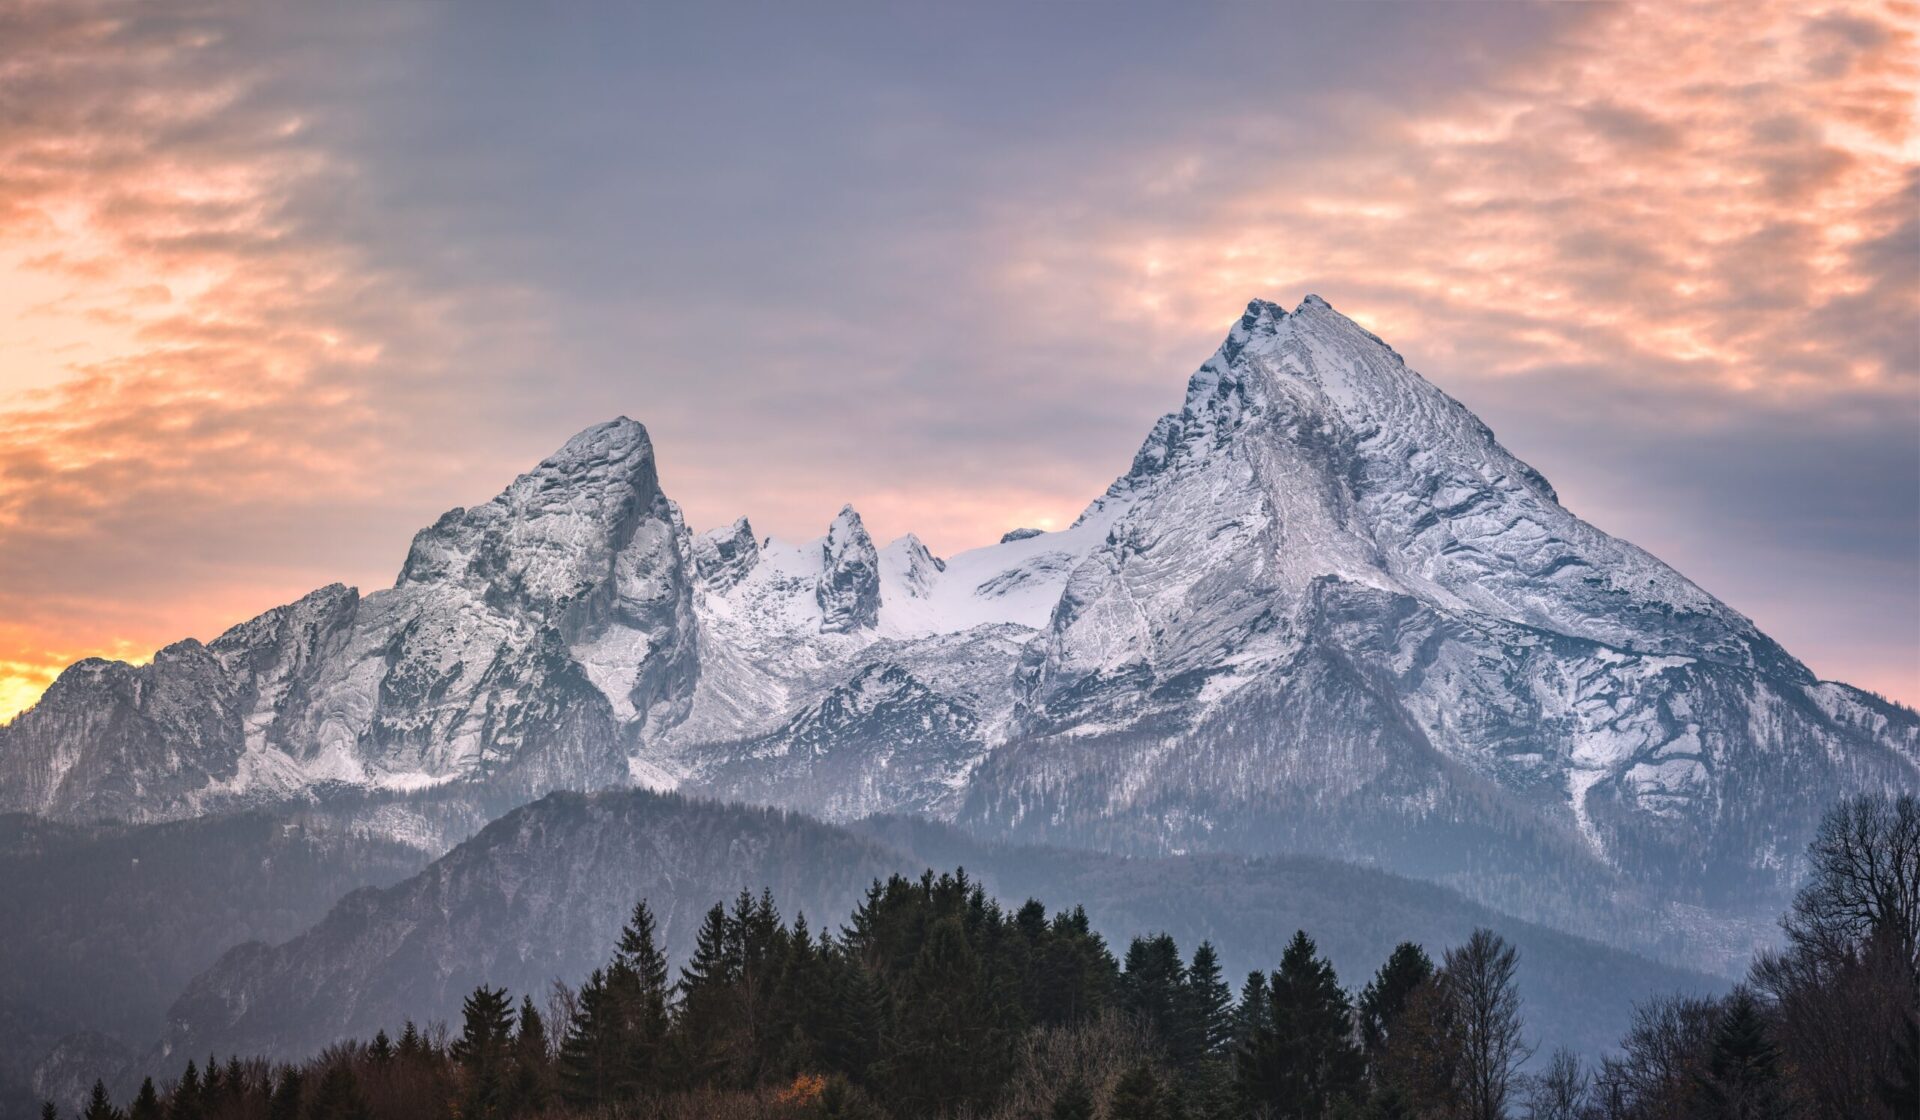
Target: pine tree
590 1058
530 1091
1386 995
948 1049
637 980
185 1103
380 1050
1210 1000
338 1096
213 1090
99 1105
146 1103
708 1001
482 1052
49 1111
1303 1059
1136 1096
1073 1102
1743 1066
285 1102
1153 989
410 1047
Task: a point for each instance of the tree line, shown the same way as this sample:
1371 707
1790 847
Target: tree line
933 1000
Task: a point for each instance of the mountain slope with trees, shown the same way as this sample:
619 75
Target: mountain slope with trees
933 1000
540 893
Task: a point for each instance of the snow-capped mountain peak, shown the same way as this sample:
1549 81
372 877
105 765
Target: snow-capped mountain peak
725 556
848 589
1322 606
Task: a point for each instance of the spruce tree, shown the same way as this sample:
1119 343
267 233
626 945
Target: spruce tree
1074 976
1073 1102
146 1103
1303 1059
380 1050
1136 1096
590 1057
285 1102
530 1089
482 1051
853 1017
99 1105
641 996
49 1111
1250 1014
184 1103
1386 995
530 1043
709 989
410 1047
1900 1088
948 1047
1209 1000
801 1002
338 1096
1743 1065
213 1087
1153 989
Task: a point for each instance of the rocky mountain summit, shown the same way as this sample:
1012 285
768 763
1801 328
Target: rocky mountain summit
1323 610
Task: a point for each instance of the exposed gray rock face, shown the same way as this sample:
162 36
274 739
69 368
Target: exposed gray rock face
883 741
1323 609
724 557
1012 535
527 643
66 1072
848 590
1336 614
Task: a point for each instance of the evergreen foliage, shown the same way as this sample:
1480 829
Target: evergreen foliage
934 1001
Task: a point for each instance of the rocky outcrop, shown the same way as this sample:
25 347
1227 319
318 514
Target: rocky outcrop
848 589
1323 609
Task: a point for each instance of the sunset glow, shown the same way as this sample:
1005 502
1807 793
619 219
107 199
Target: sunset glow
233 366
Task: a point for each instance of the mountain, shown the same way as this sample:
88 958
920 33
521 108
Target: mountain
1323 611
541 894
525 645
105 924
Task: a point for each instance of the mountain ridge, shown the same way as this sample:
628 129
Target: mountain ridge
1323 610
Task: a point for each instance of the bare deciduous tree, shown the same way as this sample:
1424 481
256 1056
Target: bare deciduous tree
1560 1091
1866 881
1479 976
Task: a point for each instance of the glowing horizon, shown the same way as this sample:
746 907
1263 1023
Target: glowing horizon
275 290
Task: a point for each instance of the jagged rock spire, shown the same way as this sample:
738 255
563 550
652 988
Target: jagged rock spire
849 586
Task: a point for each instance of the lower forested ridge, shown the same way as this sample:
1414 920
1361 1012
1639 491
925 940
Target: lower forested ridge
934 1000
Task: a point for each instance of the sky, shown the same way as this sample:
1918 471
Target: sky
280 282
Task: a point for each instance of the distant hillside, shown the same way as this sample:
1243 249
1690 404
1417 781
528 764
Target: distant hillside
540 894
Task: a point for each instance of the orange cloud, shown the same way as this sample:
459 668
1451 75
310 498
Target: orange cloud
211 402
175 349
1719 193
